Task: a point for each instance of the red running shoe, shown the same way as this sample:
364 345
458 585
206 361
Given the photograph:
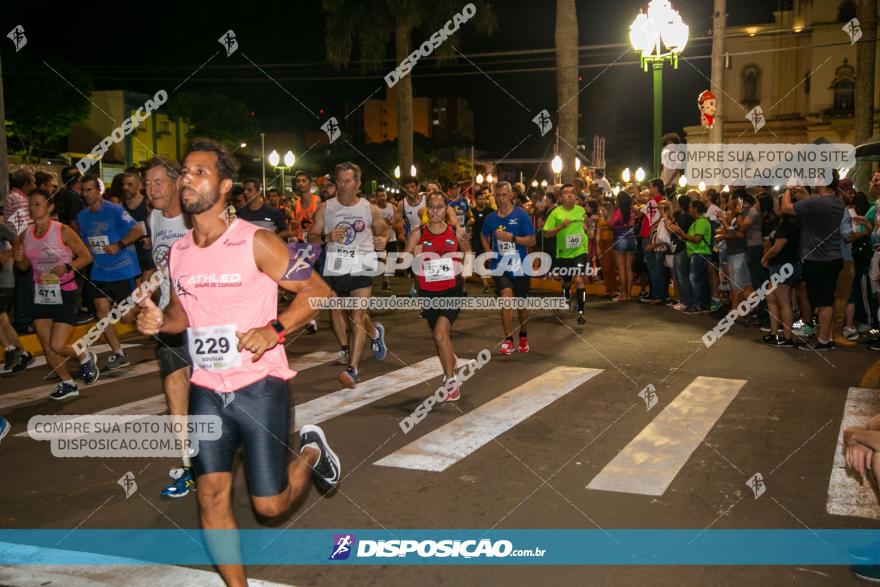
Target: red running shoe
454 393
523 344
507 347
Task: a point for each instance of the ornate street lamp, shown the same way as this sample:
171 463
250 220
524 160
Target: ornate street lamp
661 28
275 160
556 166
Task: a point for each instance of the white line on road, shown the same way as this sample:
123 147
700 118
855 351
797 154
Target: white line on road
848 495
454 441
649 463
41 392
99 348
345 400
156 404
102 571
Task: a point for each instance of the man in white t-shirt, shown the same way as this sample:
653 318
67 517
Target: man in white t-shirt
387 210
602 182
167 225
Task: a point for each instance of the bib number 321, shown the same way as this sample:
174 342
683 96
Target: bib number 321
214 347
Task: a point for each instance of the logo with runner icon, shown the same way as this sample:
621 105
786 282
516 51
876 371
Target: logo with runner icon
342 546
351 230
182 291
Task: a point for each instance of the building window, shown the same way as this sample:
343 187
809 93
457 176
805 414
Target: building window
844 94
846 11
165 127
843 87
751 85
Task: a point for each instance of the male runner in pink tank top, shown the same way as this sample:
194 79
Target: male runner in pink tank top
225 277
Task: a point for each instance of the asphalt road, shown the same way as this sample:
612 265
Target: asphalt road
781 417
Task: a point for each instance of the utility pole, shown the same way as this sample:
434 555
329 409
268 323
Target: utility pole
865 71
719 20
263 157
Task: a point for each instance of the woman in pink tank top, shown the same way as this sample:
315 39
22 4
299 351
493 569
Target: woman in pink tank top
54 253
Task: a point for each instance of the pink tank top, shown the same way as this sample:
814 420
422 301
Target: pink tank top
222 291
48 251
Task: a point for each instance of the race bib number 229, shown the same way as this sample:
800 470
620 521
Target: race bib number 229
214 347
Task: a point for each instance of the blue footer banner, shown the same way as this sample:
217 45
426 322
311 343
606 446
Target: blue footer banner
441 546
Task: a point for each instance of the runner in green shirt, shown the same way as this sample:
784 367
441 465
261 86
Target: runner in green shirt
566 223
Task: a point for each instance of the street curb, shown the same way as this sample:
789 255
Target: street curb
31 343
551 285
871 378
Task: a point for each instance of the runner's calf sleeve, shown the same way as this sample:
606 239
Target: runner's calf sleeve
581 299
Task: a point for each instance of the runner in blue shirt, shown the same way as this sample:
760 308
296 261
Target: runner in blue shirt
508 232
459 204
110 233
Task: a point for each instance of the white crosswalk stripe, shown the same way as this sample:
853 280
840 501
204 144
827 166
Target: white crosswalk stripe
157 405
452 442
848 495
346 400
649 463
41 392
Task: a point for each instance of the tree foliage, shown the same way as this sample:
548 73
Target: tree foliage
214 116
41 104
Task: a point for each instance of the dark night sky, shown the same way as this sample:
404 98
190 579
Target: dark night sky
146 50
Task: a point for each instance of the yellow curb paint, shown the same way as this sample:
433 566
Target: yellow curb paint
31 343
871 378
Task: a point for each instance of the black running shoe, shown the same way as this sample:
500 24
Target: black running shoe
782 342
821 347
24 361
770 338
11 358
581 319
84 317
90 371
117 361
64 391
327 472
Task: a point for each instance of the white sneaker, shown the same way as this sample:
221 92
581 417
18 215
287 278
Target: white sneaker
679 306
850 333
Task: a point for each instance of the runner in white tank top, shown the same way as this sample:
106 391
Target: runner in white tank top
408 218
387 210
353 230
167 225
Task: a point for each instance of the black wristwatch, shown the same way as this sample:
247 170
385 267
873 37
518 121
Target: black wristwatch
279 329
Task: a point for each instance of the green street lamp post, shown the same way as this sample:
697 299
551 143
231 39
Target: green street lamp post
275 160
